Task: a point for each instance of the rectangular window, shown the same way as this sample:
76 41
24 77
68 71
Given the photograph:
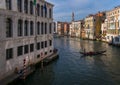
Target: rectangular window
20 29
42 44
50 51
50 13
19 4
26 49
9 29
38 46
55 27
8 4
9 53
31 47
26 28
19 50
45 28
45 10
50 26
42 31
107 37
42 11
45 53
38 9
38 56
38 28
117 39
50 42
45 43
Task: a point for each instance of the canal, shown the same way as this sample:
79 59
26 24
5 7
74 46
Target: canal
72 69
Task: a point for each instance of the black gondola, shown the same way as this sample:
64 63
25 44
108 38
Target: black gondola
92 53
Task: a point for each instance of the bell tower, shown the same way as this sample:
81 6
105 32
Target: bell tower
72 16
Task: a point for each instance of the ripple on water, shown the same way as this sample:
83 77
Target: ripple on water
71 69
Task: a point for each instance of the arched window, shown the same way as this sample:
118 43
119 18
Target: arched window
31 28
38 9
50 13
38 28
45 10
42 32
50 42
26 28
50 26
20 29
9 28
8 4
31 7
45 28
41 11
19 5
26 6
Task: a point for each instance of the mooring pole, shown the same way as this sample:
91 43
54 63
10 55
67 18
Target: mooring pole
42 65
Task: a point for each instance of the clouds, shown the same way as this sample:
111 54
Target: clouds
64 8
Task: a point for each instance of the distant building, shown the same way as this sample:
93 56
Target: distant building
63 28
89 26
82 34
100 17
76 28
104 30
60 28
113 25
71 33
24 35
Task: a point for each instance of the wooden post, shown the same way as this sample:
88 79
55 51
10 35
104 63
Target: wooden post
24 69
41 62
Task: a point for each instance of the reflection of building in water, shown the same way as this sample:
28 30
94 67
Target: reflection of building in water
24 33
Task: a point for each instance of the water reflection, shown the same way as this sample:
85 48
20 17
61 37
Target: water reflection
72 69
103 66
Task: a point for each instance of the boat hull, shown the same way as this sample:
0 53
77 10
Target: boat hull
92 53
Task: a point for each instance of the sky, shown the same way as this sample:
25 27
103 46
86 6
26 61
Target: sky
62 10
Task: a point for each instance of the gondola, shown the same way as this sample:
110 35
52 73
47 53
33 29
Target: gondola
92 53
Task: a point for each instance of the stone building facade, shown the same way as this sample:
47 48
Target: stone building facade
60 28
26 33
104 30
63 28
113 25
89 26
100 18
76 28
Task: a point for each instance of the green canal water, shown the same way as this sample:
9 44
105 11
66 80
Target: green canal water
72 69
